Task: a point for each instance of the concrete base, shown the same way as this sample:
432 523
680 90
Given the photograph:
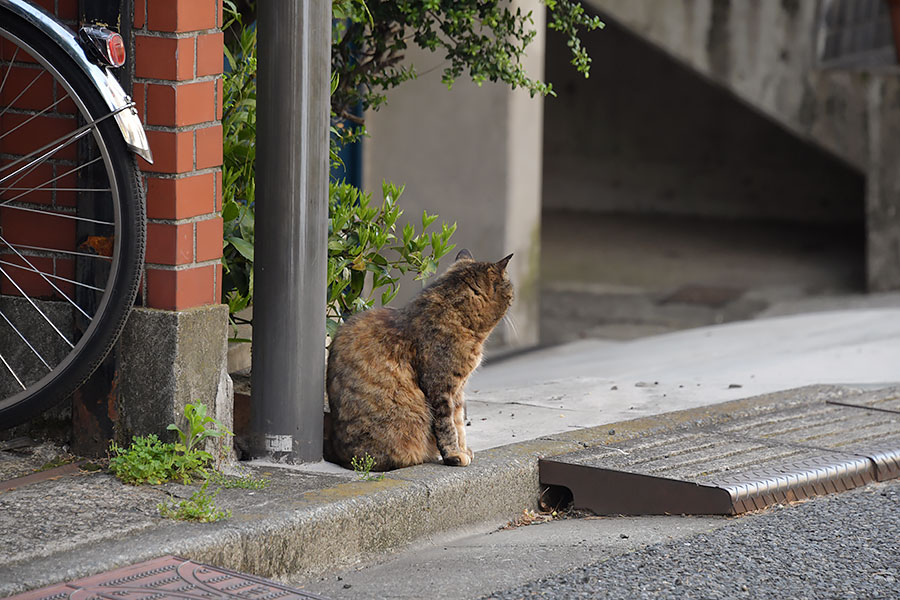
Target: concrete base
167 360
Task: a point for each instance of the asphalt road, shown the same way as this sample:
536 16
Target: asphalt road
840 546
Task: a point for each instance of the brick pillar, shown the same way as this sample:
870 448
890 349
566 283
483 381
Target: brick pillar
178 89
173 350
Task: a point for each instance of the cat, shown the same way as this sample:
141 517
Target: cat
395 377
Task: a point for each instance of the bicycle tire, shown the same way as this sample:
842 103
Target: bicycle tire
97 313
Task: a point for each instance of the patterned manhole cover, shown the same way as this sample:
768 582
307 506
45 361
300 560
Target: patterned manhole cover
168 577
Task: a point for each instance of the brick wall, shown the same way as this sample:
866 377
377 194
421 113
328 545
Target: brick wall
178 91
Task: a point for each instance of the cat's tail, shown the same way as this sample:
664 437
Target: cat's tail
328 452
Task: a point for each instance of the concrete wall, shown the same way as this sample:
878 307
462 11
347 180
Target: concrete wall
765 54
472 155
646 134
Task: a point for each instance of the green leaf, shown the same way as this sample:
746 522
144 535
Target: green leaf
242 246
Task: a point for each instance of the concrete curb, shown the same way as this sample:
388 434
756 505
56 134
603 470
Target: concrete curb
349 522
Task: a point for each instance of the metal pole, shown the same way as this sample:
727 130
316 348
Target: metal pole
294 56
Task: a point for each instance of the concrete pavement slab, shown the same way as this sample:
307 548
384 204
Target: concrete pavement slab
592 382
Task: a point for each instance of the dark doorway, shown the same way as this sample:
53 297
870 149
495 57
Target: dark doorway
670 203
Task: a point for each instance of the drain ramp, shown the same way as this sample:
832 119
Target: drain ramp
746 464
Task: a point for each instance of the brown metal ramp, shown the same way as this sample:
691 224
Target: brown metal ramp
745 464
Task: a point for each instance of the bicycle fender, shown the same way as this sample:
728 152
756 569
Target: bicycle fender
109 88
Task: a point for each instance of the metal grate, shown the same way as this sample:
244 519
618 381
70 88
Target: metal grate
742 465
169 577
856 33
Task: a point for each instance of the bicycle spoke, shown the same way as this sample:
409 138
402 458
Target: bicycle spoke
9 68
59 277
31 118
28 168
58 251
58 214
13 373
36 307
53 285
24 339
58 177
73 136
22 93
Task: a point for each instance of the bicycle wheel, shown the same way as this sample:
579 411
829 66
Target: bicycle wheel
72 224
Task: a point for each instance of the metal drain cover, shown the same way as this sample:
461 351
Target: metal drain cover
743 465
168 577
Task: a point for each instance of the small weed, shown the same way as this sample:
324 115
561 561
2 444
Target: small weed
62 459
363 468
150 460
246 482
147 460
199 507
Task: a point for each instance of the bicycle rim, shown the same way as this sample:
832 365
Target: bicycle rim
71 225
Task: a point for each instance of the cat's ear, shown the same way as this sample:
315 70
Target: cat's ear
464 254
503 262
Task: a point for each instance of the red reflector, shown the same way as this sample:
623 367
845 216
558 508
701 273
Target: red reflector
115 50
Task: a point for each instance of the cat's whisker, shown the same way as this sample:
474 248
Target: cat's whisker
507 318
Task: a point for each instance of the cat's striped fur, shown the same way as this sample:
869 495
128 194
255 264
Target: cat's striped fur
395 377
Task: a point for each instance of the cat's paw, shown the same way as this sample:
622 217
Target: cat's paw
470 453
458 460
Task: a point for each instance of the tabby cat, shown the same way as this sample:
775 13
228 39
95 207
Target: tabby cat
395 377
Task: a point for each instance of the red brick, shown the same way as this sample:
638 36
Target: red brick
36 133
164 58
209 147
170 244
179 105
209 239
181 198
182 15
173 152
210 58
219 18
8 50
30 282
140 13
70 181
36 83
27 181
33 283
160 104
41 230
181 289
67 10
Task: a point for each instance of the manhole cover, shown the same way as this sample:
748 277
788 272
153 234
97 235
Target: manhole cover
168 577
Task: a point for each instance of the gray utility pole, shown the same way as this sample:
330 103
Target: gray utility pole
291 229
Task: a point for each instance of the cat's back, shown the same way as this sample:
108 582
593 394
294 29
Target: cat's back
370 346
367 331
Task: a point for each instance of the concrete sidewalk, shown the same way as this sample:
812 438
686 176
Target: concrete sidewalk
317 518
595 382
